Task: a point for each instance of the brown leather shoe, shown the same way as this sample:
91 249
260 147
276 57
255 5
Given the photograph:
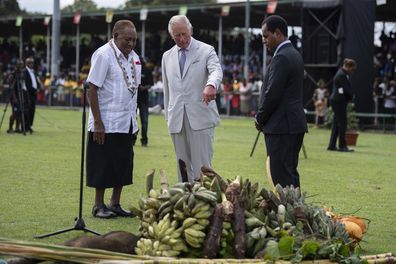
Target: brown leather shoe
102 212
117 209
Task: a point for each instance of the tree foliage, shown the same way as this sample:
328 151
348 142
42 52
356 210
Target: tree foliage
137 3
8 7
82 5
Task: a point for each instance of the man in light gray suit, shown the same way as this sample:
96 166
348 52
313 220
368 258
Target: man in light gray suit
191 73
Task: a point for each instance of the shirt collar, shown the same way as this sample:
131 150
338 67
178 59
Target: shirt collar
119 53
280 45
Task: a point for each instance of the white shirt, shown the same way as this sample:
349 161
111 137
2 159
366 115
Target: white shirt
32 77
117 105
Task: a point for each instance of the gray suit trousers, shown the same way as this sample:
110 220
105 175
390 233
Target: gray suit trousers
194 147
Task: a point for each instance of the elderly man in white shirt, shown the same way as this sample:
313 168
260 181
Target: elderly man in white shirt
113 80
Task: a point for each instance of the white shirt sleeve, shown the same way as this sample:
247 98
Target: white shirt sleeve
99 67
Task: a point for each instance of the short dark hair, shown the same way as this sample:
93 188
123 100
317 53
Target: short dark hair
276 22
120 25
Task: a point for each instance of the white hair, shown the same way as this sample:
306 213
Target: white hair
179 19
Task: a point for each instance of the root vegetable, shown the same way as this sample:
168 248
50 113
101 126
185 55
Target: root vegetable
354 231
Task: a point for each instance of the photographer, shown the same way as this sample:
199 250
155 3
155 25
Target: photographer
19 100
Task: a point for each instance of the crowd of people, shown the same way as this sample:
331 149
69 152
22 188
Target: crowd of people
237 96
384 87
66 89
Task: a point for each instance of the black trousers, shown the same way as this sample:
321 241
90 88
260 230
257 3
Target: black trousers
144 115
339 124
283 151
32 109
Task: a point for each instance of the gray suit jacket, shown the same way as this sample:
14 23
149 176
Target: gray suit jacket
184 93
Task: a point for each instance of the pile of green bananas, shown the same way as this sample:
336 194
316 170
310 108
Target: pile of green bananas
163 239
170 224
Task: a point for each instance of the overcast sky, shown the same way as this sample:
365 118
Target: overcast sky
46 6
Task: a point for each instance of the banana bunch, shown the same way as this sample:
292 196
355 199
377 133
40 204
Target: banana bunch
149 207
191 199
207 181
227 239
165 237
195 225
149 247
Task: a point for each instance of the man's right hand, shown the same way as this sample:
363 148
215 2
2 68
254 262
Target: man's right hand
99 133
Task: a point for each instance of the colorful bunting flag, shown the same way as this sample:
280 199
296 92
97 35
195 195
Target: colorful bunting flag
225 10
143 14
271 6
18 21
77 18
109 16
47 19
183 10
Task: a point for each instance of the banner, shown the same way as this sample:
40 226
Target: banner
47 19
18 21
143 14
77 18
271 6
109 16
183 10
225 10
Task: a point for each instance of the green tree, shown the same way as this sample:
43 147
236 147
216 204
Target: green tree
83 5
137 3
8 7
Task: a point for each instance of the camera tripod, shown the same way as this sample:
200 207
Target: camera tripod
79 221
24 113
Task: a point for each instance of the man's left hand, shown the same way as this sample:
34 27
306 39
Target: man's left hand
209 94
258 126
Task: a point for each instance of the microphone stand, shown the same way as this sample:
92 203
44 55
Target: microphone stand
79 224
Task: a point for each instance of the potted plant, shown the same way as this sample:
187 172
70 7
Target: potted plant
352 132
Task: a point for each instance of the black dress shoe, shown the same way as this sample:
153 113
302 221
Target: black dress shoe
332 148
117 209
102 212
345 149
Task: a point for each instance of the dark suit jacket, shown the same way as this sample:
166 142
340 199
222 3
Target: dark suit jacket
281 108
28 82
341 84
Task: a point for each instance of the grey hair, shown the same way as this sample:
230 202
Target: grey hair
177 19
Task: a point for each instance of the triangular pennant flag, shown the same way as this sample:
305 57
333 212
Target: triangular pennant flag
271 6
109 16
183 10
143 14
77 18
47 19
225 10
18 21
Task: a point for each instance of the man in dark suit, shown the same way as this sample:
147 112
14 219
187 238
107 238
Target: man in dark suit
143 100
33 86
339 98
281 114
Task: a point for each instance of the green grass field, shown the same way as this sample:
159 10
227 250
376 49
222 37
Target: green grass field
40 176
